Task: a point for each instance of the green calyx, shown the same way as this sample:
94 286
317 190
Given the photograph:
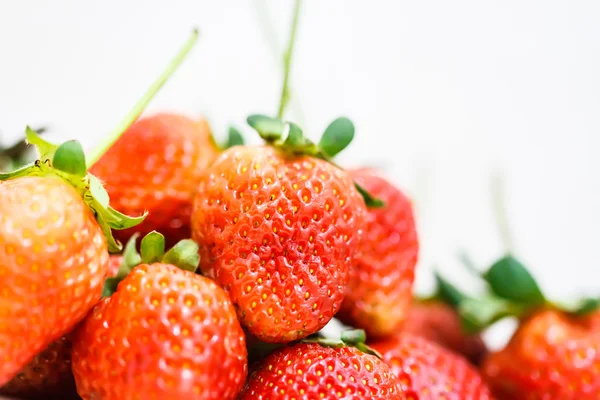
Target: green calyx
16 155
289 138
349 338
234 138
183 255
67 161
511 291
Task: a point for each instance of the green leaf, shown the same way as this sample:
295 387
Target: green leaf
297 143
269 128
184 255
509 279
234 138
27 170
120 221
447 292
153 247
69 158
46 149
478 314
337 136
370 201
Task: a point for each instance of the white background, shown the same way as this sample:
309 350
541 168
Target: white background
443 94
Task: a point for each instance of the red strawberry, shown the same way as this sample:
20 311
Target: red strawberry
53 259
166 333
379 291
551 356
311 371
47 376
155 166
440 323
55 234
278 232
430 372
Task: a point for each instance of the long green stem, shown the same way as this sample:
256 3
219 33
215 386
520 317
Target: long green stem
110 139
501 213
287 62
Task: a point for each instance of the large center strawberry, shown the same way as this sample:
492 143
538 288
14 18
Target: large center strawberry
279 233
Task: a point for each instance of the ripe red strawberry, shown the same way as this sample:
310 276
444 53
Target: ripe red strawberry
155 166
430 372
53 260
278 232
49 374
551 356
311 371
55 234
440 323
379 291
166 333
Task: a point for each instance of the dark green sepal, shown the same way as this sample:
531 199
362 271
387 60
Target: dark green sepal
69 158
509 279
337 136
269 128
447 292
370 201
234 138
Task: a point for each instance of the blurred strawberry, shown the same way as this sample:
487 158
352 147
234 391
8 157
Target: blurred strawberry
379 291
155 166
430 372
314 371
164 332
551 356
440 323
278 227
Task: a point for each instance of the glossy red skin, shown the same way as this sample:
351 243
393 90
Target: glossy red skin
440 323
550 357
279 235
379 290
53 260
310 371
155 166
49 375
164 334
430 372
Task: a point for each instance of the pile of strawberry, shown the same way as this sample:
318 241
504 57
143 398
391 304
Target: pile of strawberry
246 254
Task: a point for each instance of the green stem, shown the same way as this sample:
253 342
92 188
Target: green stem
110 139
287 62
501 213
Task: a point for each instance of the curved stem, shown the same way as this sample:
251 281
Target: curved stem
287 62
139 107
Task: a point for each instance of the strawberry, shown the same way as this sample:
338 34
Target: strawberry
314 371
379 290
278 227
551 356
165 333
555 352
49 374
440 323
55 234
155 166
430 372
